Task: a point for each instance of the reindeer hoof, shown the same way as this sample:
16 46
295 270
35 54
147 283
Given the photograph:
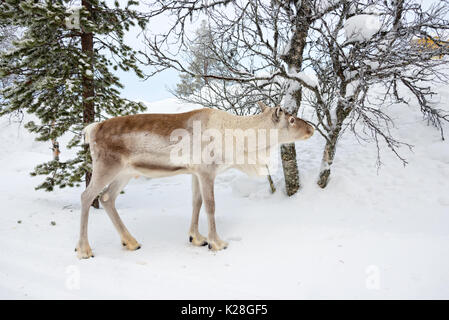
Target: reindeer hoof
84 254
198 240
217 245
131 244
83 250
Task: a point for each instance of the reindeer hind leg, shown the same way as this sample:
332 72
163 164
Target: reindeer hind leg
102 175
108 201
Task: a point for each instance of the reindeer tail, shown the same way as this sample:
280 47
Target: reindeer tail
87 131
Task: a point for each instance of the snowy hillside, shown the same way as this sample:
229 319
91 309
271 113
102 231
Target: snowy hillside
369 234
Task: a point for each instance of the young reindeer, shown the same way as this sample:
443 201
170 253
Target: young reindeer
145 144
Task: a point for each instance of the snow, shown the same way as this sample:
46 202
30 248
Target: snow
352 87
171 105
286 49
362 27
372 9
289 102
324 5
73 20
310 80
69 84
367 235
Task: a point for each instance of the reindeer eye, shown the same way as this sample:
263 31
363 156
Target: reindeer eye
291 120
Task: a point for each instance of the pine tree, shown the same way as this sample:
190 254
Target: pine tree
7 36
63 66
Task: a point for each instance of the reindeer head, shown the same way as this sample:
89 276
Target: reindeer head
290 128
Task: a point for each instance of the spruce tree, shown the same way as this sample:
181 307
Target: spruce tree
7 36
63 66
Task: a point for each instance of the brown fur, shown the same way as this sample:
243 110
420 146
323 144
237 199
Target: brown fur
108 135
156 123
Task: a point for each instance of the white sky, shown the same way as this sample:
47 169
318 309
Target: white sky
156 88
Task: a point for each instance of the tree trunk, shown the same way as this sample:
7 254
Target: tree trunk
55 149
270 181
290 166
55 146
87 46
331 143
288 156
326 163
294 59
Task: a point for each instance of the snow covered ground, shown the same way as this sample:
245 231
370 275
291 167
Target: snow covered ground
369 234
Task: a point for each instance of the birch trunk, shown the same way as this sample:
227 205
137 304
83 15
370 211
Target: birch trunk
294 59
290 167
326 163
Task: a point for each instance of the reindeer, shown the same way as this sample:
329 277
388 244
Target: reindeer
123 147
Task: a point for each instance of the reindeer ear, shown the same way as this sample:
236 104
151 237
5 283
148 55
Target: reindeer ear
277 114
263 107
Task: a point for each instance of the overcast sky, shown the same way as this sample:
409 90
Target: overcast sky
153 89
156 88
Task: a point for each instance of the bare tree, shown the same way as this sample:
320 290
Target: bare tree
258 44
231 96
274 45
379 50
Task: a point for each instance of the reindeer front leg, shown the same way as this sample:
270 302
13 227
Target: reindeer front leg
206 182
194 236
